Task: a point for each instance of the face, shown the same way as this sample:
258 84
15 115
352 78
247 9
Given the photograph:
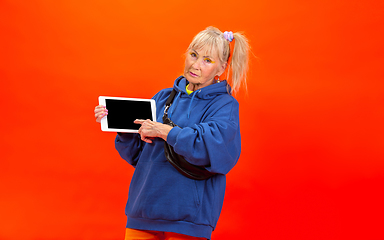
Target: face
201 68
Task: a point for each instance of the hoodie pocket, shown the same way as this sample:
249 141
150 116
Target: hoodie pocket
158 191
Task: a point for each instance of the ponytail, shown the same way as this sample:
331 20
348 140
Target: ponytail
238 64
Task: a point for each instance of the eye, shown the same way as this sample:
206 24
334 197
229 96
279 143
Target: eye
192 54
207 60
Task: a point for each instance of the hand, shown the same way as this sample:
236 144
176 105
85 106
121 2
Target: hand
149 130
100 112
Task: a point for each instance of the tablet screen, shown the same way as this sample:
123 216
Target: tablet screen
123 111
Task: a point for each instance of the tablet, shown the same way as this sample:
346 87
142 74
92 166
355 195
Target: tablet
123 111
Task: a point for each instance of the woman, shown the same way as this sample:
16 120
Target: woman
163 203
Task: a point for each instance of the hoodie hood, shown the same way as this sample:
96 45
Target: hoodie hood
207 92
204 93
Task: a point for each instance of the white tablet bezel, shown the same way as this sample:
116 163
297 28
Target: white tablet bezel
104 121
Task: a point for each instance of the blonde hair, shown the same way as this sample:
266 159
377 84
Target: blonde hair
214 40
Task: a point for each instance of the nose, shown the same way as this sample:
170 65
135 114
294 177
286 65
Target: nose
196 64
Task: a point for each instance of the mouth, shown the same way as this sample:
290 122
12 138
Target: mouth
192 74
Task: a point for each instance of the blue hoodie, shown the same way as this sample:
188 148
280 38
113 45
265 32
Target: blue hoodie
160 198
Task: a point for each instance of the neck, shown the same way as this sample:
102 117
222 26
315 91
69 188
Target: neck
197 86
193 87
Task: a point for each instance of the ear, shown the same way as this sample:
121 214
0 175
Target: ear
222 68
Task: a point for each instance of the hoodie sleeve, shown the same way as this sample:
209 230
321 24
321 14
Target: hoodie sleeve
129 146
214 143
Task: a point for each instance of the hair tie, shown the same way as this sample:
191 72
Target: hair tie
228 36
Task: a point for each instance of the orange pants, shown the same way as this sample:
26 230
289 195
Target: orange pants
134 234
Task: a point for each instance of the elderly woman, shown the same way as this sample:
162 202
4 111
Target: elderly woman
202 128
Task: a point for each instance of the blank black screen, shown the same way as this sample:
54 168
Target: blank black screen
122 113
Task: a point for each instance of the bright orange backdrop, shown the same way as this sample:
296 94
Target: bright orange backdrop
312 165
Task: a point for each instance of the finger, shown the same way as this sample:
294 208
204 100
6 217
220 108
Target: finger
142 137
100 108
147 140
139 121
100 111
100 116
147 122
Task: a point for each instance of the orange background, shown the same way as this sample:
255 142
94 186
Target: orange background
312 165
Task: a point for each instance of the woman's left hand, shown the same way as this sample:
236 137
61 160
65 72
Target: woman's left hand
149 130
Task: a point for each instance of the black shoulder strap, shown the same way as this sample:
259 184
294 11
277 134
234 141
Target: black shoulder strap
166 120
170 98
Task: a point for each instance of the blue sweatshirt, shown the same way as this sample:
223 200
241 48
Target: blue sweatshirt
162 199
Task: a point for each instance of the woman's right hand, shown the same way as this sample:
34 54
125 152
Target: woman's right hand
100 112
